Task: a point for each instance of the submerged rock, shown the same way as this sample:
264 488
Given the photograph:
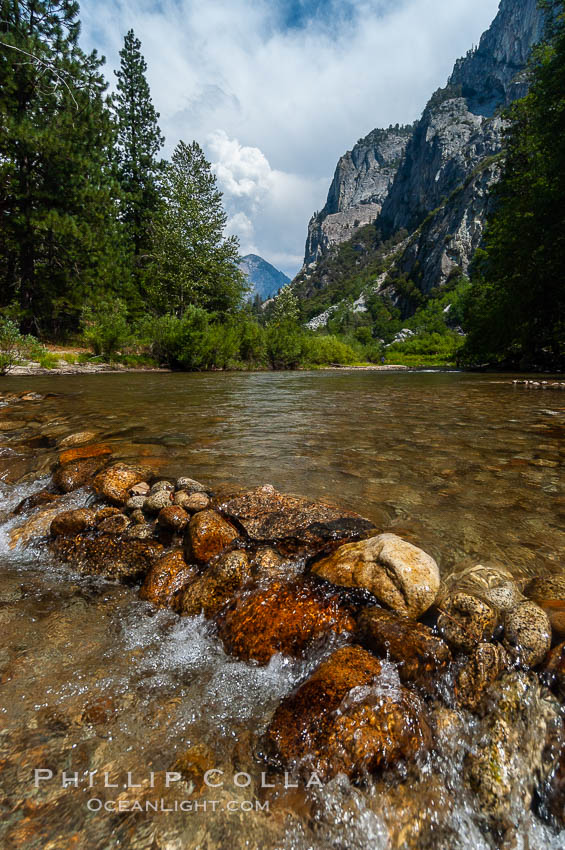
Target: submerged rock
212 591
487 662
420 655
554 670
208 535
167 576
44 497
527 633
37 525
73 522
549 594
285 618
79 438
397 573
466 620
109 556
78 474
83 453
294 524
115 482
347 718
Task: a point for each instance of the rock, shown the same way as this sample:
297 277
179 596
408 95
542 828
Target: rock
44 497
266 563
166 577
504 596
173 517
37 525
345 718
549 594
192 502
527 633
141 531
555 799
211 592
420 655
83 453
487 662
554 670
138 517
208 535
115 524
104 513
155 502
285 618
135 503
73 522
141 489
168 486
296 525
116 481
190 485
109 556
193 766
78 474
78 439
466 620
514 750
398 574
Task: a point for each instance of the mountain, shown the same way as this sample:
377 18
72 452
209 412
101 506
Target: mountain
265 278
429 190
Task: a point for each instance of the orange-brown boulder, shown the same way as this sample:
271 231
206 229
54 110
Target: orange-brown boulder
113 557
347 719
73 522
173 517
211 592
84 452
115 482
295 524
78 474
166 577
208 535
420 655
285 618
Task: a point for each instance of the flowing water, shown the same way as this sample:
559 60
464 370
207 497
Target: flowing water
468 467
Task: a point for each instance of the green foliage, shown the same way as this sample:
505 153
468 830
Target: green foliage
48 360
15 348
516 308
138 143
105 327
321 350
59 238
426 348
193 263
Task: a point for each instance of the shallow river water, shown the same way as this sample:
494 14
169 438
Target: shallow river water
468 467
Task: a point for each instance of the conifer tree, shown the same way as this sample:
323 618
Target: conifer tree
194 263
58 239
139 141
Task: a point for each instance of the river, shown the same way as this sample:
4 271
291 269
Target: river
468 467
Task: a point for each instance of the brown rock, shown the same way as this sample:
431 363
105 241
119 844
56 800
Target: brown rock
108 556
115 524
285 618
173 517
158 500
73 522
466 620
141 531
189 485
78 474
79 438
166 577
527 633
266 563
44 497
295 524
419 654
212 591
554 669
323 727
38 525
141 489
399 574
549 594
192 502
115 482
104 513
208 535
487 662
84 452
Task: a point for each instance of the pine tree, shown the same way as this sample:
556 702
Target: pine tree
139 141
516 310
58 240
194 263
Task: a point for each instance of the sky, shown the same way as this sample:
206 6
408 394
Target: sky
275 91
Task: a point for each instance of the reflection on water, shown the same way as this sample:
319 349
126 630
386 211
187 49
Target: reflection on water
92 679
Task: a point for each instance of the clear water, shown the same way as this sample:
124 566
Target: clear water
468 467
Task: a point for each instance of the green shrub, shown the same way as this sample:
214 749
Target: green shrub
285 345
105 327
14 347
322 350
48 360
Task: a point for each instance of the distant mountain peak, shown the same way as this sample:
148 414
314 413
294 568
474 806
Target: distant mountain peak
264 277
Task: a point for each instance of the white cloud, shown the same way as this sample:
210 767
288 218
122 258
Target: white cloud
288 102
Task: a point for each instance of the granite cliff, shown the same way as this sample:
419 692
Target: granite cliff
432 184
